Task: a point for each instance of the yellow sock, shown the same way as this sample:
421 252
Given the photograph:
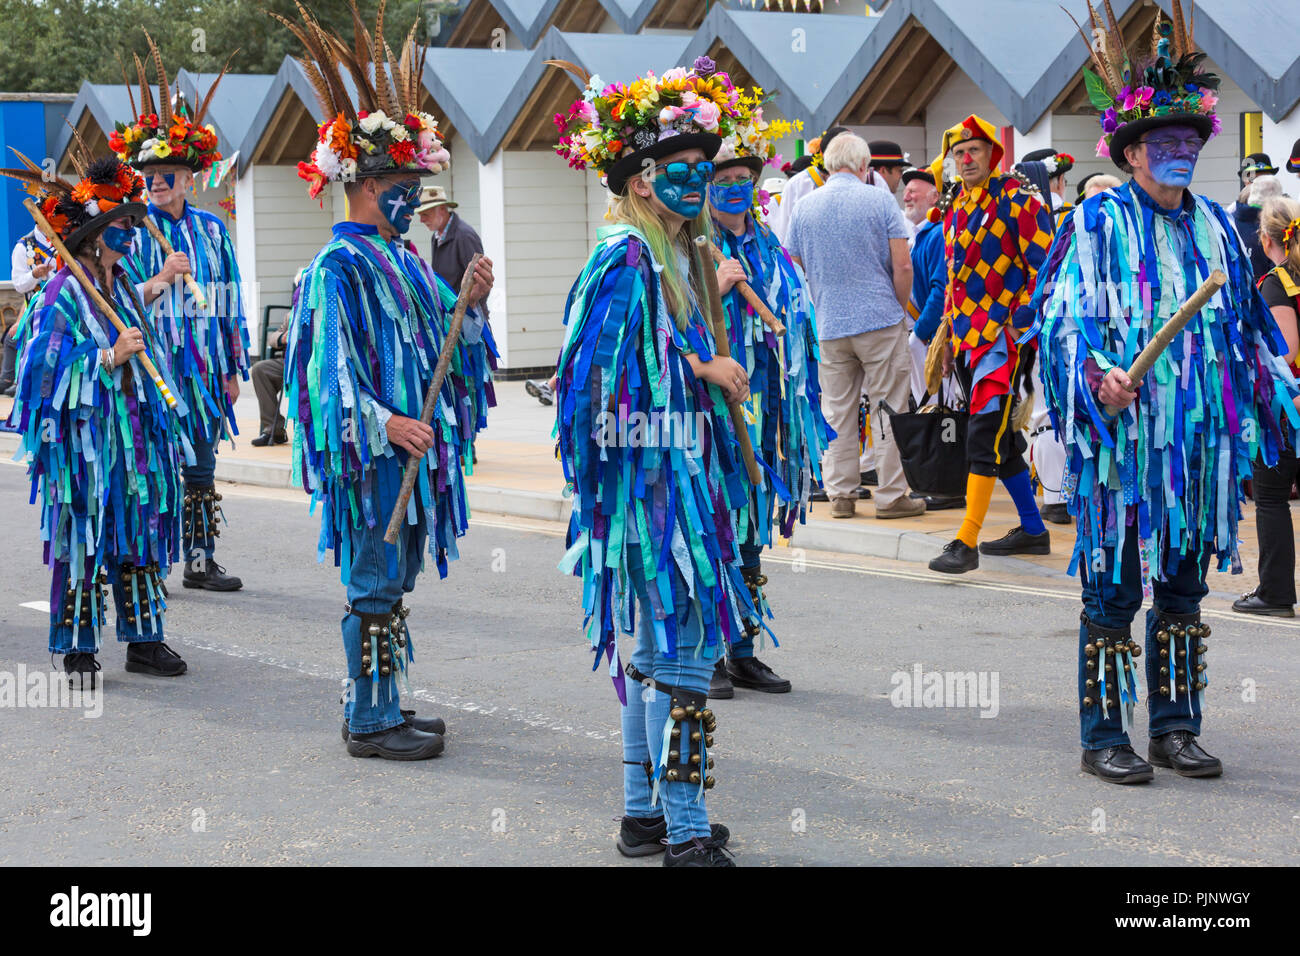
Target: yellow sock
979 492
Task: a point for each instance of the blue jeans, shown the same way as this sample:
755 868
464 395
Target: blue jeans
200 475
372 704
743 645
145 627
646 716
1115 606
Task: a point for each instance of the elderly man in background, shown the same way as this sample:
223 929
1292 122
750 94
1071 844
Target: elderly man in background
852 245
1245 216
802 184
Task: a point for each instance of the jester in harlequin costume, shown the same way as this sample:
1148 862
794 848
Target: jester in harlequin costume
996 235
364 340
787 429
1155 467
205 342
647 447
103 450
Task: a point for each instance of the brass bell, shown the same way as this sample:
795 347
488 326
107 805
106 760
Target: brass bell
1200 685
1110 666
1200 668
690 710
695 736
385 657
1135 650
1164 653
1200 649
1164 689
1182 688
1092 665
1205 629
1090 650
1182 652
365 662
677 732
1110 649
1164 672
708 740
1162 636
677 713
706 714
695 758
695 776
1090 683
674 756
673 776
67 622
1087 702
365 645
709 783
709 763
383 671
373 630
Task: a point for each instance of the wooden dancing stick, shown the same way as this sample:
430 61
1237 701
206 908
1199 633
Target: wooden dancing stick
167 249
104 305
722 347
431 399
1162 339
749 295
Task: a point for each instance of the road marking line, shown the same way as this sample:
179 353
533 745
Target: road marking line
42 606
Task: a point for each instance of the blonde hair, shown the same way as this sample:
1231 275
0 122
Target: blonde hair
680 292
1100 183
1278 215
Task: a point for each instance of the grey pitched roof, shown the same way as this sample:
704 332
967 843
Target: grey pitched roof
630 15
482 91
614 57
234 105
107 104
290 77
526 18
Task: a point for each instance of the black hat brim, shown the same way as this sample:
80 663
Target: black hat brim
628 166
918 173
1130 133
88 230
752 163
168 161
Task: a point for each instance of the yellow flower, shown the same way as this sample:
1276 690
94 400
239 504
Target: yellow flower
162 149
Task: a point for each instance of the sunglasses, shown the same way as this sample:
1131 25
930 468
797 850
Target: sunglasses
682 173
411 192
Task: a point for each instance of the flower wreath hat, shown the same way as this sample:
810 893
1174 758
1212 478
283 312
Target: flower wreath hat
615 129
384 131
752 141
159 134
1135 95
109 189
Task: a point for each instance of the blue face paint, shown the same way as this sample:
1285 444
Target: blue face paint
1171 155
118 239
168 178
732 197
398 203
671 193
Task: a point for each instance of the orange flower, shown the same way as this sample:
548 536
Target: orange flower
340 141
84 191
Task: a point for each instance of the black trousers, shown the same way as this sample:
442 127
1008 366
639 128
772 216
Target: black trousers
1273 528
994 448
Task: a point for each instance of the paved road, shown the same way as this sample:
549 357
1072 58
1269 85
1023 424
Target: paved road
247 743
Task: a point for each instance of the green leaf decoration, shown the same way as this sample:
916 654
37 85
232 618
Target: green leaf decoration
1096 90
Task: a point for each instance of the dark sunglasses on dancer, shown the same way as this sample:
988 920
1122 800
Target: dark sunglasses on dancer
682 173
1168 145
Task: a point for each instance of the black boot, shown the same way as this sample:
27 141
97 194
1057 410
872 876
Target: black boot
1252 603
958 557
154 657
402 742
720 685
753 674
430 725
697 852
213 577
646 836
1019 541
82 663
1056 514
1178 751
1117 765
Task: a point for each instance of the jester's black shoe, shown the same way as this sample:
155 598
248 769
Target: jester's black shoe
1178 751
154 657
213 577
1116 765
402 742
78 665
646 836
430 725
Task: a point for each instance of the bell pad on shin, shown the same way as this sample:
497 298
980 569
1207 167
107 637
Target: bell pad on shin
1180 644
381 642
1106 664
201 515
691 734
90 608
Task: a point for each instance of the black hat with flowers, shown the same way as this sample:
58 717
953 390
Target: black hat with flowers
1135 95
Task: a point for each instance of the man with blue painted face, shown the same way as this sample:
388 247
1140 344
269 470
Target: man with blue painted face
364 339
1154 467
206 342
788 431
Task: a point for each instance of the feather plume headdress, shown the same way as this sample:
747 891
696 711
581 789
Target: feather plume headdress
159 134
1167 86
108 189
383 129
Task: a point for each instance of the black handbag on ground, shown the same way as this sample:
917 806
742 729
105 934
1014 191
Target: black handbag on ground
932 446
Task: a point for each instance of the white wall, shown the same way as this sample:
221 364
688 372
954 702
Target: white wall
461 182
958 98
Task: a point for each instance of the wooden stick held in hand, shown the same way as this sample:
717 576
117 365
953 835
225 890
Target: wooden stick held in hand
103 304
431 399
722 348
167 249
1162 339
749 295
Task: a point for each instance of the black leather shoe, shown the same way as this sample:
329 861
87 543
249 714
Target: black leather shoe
1250 603
154 657
81 663
697 852
212 578
933 503
753 674
958 557
402 742
430 725
262 440
1178 751
1056 514
1019 541
869 477
720 684
1116 765
646 836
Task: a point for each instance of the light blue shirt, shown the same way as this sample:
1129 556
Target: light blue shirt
841 234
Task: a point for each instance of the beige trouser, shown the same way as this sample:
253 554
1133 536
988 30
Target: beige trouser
879 363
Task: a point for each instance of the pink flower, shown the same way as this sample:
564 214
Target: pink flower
1103 148
1144 94
1209 100
707 115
